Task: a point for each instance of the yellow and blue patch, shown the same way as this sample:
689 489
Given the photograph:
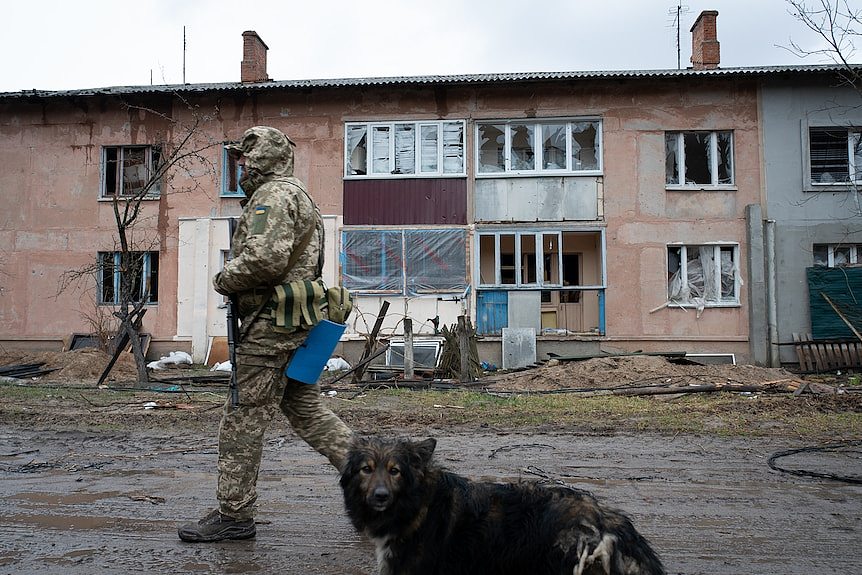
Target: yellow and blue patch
258 224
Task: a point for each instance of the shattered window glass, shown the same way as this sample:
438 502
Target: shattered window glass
699 158
585 146
487 260
698 166
357 150
821 255
554 146
523 151
725 157
492 144
136 277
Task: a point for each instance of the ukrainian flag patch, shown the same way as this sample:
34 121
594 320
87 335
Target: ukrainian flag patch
259 221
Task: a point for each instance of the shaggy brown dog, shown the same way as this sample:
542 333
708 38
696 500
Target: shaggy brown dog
425 520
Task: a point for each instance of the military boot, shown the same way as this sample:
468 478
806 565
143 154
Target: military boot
217 527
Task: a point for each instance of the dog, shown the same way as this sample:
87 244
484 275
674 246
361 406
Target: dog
425 520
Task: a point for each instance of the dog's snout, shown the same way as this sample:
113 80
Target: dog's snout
380 494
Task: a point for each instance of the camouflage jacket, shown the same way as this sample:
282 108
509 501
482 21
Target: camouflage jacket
273 223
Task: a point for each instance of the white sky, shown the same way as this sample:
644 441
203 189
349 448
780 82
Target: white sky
66 44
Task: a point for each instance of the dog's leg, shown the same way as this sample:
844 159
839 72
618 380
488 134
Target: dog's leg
604 551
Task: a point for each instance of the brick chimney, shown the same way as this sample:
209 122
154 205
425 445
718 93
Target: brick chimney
253 67
705 54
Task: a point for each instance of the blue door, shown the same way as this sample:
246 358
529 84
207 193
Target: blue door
492 312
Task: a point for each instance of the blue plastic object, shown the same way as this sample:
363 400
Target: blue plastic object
311 357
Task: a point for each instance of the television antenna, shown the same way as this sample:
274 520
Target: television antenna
676 13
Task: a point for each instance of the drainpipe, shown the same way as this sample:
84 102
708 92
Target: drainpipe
771 304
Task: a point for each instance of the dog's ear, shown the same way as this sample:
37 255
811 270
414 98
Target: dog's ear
425 449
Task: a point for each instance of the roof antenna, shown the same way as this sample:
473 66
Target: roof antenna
676 13
184 54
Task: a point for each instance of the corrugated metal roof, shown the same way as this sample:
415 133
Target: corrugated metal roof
508 77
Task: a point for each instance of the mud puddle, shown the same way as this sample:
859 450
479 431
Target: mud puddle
80 503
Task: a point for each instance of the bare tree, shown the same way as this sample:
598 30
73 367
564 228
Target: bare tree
838 26
179 162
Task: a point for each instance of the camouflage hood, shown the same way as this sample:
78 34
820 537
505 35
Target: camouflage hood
268 155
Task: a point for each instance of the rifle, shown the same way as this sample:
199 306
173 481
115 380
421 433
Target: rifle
232 327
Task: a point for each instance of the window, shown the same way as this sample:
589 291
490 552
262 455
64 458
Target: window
412 262
528 259
138 277
835 155
130 171
518 147
837 255
231 174
404 149
699 159
703 276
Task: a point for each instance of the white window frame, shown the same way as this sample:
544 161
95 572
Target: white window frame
699 302
854 171
854 255
520 284
152 155
390 154
714 156
538 159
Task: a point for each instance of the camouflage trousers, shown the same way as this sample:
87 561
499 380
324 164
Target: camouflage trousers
263 389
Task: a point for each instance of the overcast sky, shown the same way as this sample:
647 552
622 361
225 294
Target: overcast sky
63 44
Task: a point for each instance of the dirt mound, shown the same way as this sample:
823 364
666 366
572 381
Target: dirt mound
80 365
631 371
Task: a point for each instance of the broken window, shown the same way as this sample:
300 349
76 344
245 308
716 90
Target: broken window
404 149
130 171
547 258
537 147
411 262
554 146
134 274
231 174
835 155
492 148
837 255
523 147
703 275
699 159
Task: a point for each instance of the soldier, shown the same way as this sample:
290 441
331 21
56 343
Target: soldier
277 219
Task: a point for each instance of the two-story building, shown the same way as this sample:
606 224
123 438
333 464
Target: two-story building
619 209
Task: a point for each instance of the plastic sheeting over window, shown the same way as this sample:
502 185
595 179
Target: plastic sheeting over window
702 276
412 261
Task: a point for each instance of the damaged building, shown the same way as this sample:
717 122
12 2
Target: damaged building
643 210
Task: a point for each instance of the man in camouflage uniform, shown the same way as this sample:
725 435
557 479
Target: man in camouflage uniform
274 223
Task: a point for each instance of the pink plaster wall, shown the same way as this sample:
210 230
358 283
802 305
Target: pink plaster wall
52 221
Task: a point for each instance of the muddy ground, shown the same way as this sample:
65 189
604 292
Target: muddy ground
98 483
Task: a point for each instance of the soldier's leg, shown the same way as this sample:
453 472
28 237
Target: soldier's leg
314 422
241 435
